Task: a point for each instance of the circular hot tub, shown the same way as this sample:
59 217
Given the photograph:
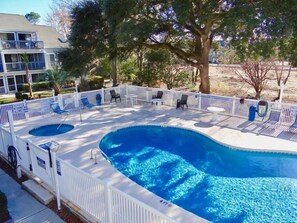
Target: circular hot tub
51 130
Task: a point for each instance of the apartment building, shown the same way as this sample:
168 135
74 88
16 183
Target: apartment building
18 37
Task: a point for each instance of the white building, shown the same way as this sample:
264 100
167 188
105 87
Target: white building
17 37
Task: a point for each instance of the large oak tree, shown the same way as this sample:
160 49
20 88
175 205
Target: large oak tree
187 27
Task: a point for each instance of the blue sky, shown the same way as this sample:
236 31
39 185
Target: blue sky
22 7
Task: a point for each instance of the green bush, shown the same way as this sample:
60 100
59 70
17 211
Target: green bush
4 214
96 82
19 96
37 86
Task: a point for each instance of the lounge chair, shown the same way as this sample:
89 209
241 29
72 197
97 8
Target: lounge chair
114 96
293 127
158 96
273 119
85 102
182 102
56 109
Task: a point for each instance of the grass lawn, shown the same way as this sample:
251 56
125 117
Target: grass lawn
4 99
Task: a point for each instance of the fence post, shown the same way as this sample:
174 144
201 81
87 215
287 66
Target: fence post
13 137
173 96
127 90
29 155
233 105
60 101
54 148
76 97
147 94
107 197
102 96
2 140
199 100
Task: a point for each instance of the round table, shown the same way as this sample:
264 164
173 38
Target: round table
132 98
158 102
215 111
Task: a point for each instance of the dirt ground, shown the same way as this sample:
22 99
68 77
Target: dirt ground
225 81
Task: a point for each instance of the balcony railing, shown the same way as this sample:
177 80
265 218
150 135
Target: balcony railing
1 68
19 66
22 44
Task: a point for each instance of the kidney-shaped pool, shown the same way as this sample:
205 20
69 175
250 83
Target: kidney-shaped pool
204 177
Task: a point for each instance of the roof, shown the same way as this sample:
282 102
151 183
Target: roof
13 22
49 36
19 23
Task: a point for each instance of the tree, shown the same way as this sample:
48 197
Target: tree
255 74
59 16
57 77
93 33
187 27
282 74
33 17
25 60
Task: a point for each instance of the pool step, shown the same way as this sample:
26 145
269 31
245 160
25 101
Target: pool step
38 191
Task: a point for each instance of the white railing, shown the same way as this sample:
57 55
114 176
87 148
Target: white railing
196 101
83 190
128 209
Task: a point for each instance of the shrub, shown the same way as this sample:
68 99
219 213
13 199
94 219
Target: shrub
4 214
19 96
96 82
37 86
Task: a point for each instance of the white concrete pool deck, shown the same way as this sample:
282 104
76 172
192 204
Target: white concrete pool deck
76 145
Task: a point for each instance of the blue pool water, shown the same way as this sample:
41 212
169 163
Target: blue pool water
204 177
51 130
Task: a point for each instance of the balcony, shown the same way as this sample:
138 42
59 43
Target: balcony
22 44
20 66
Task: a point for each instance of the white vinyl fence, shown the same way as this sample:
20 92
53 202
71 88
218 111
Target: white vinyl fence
97 199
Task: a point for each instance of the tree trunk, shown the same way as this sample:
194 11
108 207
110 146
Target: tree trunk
114 72
204 86
140 64
29 81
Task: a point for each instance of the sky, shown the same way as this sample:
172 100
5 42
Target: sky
22 7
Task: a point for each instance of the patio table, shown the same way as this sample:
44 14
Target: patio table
215 111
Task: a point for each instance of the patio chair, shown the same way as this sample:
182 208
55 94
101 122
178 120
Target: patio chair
85 102
293 127
158 96
182 102
273 119
56 109
114 96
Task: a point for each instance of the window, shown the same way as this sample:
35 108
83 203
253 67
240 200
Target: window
52 57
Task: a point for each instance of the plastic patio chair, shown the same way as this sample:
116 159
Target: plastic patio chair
114 96
85 102
273 119
56 109
159 95
181 103
293 127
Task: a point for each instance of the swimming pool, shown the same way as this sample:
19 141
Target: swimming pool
51 130
206 178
